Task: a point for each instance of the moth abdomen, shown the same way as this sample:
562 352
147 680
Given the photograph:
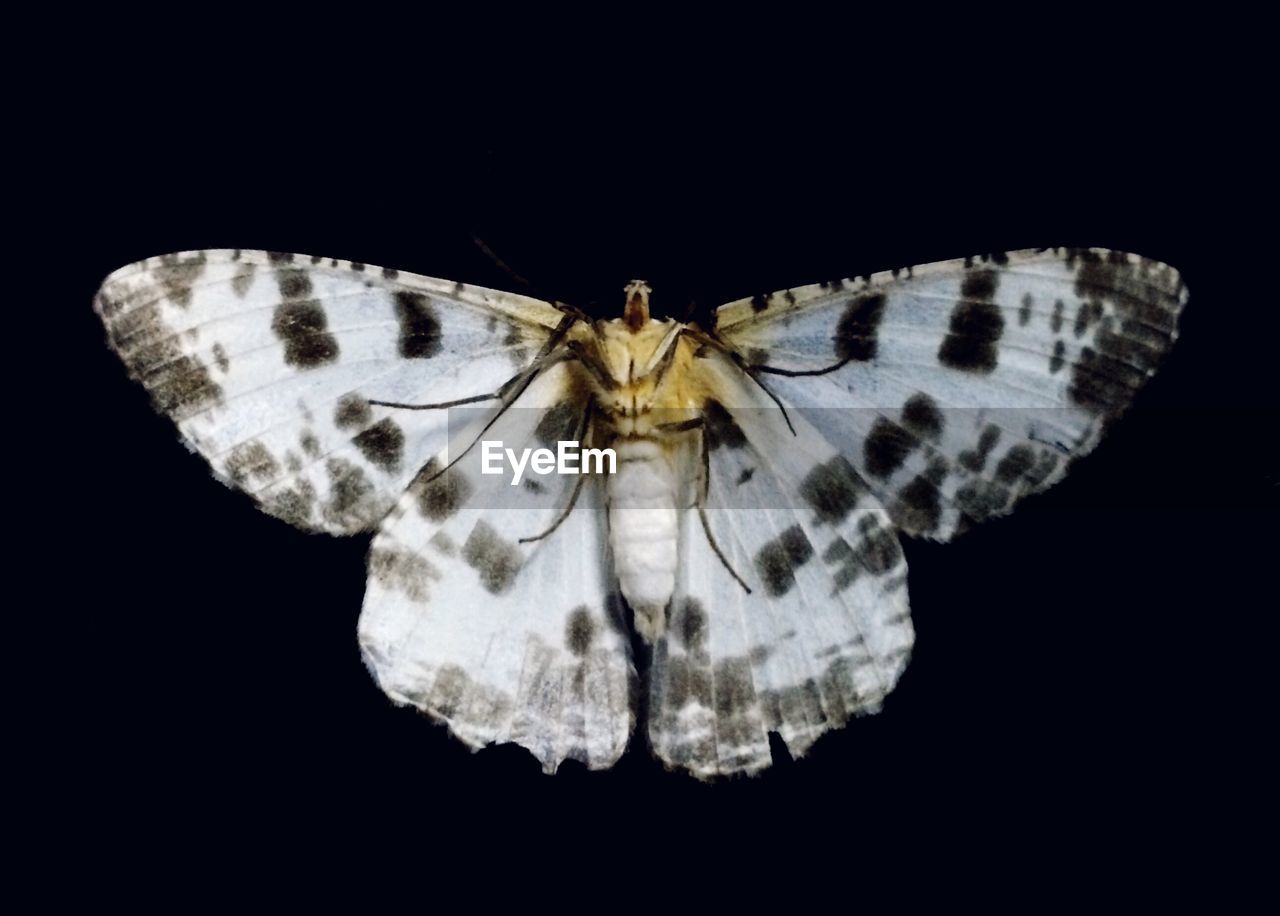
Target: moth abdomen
642 530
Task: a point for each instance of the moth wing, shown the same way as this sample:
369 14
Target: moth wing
267 363
957 388
825 631
504 640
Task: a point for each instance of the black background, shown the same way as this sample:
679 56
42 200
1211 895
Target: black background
1073 674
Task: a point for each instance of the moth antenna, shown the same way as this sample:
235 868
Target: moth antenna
501 264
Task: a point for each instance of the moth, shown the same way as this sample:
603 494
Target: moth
744 555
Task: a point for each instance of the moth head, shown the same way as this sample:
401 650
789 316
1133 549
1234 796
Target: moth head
636 313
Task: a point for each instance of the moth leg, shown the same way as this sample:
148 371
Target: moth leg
550 354
720 346
700 424
474 399
584 430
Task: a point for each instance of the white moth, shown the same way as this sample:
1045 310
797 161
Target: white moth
765 466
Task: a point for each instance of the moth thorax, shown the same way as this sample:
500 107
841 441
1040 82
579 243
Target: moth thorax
642 531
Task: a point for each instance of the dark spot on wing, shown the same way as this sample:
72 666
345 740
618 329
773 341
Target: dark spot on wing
443 543
559 424
886 448
243 278
747 474
352 502
496 559
689 625
1016 462
382 444
843 557
448 691
856 334
1045 466
737 719
352 412
840 689
721 428
937 470
293 284
440 494
220 357
1059 358
177 275
419 327
310 444
981 499
403 571
778 560
1145 298
184 388
580 631
303 329
390 273
1089 313
1024 313
279 257
687 682
799 705
832 489
180 384
918 508
357 267
1055 323
295 505
976 326
759 302
921 415
976 460
251 461
878 550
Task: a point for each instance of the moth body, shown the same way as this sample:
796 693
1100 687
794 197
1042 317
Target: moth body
638 362
642 530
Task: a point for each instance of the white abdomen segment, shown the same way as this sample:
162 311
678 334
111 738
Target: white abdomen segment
642 531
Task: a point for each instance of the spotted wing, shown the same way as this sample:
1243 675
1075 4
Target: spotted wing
268 363
824 632
959 387
503 640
